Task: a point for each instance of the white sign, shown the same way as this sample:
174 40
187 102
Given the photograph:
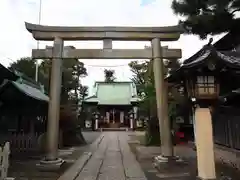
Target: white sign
179 119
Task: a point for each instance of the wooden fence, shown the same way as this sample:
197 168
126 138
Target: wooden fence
21 142
226 127
4 160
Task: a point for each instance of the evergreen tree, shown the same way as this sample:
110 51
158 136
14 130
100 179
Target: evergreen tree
207 17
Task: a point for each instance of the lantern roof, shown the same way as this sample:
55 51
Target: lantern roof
208 54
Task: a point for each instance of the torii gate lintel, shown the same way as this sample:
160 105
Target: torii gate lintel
66 33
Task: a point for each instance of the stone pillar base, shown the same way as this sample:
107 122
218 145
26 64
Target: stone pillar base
47 165
164 159
162 162
199 178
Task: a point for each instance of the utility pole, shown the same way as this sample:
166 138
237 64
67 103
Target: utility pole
39 22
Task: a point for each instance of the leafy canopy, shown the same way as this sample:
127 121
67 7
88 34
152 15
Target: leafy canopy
207 17
143 79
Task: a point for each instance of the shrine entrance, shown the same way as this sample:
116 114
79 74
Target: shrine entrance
114 119
106 34
114 116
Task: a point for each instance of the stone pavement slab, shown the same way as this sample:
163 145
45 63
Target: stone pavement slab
91 170
113 160
131 166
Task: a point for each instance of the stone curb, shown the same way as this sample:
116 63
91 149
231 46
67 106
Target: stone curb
76 168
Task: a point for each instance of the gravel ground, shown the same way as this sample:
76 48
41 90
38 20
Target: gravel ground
187 172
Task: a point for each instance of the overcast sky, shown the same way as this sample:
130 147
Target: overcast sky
16 42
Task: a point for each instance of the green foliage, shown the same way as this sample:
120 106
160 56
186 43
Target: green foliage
207 17
27 66
139 71
143 77
109 75
144 80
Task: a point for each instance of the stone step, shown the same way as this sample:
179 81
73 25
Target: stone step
114 129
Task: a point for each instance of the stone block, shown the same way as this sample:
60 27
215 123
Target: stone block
54 165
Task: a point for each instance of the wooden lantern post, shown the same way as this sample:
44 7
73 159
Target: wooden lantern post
203 87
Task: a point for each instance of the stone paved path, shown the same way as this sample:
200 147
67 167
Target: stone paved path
113 160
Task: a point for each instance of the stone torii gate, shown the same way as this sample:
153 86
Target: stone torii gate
59 34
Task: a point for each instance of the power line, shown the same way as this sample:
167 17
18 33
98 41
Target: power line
109 66
106 66
7 57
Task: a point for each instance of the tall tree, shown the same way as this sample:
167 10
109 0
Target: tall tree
143 77
80 91
207 17
109 75
144 81
139 74
27 66
81 94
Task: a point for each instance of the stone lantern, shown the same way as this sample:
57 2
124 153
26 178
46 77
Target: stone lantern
204 87
96 117
131 118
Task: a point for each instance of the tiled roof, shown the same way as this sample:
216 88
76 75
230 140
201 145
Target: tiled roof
116 93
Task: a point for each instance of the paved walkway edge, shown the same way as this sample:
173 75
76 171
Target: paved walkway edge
76 168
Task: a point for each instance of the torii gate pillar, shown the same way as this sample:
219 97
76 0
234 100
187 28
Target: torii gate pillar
162 101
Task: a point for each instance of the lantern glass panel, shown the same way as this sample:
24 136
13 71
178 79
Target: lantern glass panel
206 87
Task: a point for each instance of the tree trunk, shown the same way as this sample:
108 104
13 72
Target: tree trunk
72 134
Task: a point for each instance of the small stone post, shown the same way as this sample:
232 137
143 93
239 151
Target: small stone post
108 117
96 121
131 119
122 117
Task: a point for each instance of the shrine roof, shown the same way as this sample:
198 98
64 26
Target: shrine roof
230 59
19 91
15 86
114 93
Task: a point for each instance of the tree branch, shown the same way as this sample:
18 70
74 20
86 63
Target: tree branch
238 9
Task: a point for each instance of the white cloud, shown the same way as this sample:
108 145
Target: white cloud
16 42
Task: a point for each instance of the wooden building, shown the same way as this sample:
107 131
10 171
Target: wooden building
23 110
225 54
113 102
